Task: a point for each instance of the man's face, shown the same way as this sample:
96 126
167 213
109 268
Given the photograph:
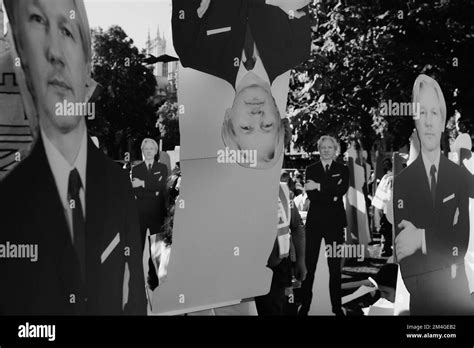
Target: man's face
52 53
327 150
387 293
149 151
430 124
256 120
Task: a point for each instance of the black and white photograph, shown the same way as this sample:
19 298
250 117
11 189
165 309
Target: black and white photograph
306 160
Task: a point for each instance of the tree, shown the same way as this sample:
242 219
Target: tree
366 53
125 109
168 124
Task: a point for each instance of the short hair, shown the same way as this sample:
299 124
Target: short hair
387 165
285 176
11 7
330 138
424 80
149 140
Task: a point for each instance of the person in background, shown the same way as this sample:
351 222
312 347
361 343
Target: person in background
149 185
326 183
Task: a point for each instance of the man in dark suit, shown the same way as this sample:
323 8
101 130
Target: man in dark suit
431 209
248 43
66 198
149 180
326 183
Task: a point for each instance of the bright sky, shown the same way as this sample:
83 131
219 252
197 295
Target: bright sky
135 17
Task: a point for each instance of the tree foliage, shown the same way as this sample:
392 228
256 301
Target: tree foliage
168 125
368 52
125 112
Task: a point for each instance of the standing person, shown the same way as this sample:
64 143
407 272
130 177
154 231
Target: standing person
149 180
248 43
326 183
66 198
431 206
279 261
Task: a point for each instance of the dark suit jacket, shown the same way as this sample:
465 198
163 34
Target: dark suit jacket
283 43
446 239
153 195
326 210
32 213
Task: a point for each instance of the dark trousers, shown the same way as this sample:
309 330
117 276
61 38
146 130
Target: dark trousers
150 218
304 295
386 232
275 302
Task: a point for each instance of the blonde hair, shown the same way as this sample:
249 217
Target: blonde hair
421 82
11 7
149 140
330 138
22 72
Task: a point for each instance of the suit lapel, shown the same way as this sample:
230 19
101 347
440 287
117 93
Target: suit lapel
154 168
96 206
422 179
142 170
321 169
442 185
57 236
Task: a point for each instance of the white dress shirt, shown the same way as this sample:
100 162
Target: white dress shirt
428 164
148 162
61 170
326 162
259 68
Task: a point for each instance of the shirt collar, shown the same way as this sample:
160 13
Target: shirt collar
61 167
259 69
325 162
427 163
148 162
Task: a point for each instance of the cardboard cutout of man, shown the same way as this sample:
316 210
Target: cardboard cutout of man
248 43
432 215
326 183
149 180
66 199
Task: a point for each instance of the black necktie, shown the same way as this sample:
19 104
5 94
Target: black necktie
149 167
327 168
248 48
78 223
433 182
